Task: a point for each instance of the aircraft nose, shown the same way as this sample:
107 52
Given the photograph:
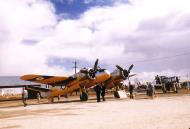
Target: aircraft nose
102 76
107 74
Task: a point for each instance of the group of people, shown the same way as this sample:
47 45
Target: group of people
150 90
100 90
25 97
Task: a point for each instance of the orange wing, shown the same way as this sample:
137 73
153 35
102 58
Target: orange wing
44 79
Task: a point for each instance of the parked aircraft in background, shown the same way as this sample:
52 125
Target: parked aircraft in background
85 78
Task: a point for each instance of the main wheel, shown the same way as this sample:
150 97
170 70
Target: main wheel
84 96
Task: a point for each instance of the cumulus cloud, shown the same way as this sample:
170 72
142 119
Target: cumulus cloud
137 31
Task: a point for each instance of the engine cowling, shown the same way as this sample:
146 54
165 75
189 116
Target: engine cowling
88 73
124 74
91 74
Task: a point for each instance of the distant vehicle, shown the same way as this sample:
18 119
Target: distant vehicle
167 83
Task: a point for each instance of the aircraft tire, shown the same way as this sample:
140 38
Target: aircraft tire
84 96
116 95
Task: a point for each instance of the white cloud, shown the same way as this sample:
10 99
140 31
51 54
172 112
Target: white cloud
118 34
88 1
20 20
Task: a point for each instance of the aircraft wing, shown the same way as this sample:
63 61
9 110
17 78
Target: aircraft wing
131 75
44 79
34 88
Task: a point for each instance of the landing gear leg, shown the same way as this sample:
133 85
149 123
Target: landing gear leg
50 99
116 95
83 94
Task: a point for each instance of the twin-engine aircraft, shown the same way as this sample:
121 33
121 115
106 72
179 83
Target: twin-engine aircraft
85 78
82 80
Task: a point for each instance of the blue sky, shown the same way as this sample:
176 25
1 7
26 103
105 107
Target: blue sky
74 8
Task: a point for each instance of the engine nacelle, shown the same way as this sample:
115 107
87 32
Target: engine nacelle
118 74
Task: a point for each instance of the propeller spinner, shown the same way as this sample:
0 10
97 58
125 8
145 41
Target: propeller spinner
92 72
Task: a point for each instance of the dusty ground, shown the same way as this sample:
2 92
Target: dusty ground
169 111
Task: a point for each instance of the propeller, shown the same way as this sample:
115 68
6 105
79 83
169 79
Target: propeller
91 72
120 68
96 65
125 72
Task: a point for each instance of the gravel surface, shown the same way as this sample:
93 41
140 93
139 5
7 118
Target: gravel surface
160 113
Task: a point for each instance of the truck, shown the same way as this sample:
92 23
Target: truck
167 83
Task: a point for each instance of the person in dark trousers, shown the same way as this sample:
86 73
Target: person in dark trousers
24 96
103 92
131 89
168 84
151 91
97 89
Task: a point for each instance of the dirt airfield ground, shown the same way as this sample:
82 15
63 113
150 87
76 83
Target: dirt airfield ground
169 111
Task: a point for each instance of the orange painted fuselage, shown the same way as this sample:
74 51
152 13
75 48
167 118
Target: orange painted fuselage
81 80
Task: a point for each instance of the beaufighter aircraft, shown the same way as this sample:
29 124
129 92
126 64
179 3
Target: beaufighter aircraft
82 80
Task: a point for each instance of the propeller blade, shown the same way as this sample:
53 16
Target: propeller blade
130 68
120 68
96 65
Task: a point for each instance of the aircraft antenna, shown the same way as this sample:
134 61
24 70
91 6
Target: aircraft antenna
75 66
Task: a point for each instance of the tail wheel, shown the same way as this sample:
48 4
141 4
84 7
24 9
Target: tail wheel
84 96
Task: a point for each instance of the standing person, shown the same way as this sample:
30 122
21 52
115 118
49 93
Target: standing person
151 91
131 89
147 88
158 80
97 89
188 86
24 96
177 81
103 92
38 97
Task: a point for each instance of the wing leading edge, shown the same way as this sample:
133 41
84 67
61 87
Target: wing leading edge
44 79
